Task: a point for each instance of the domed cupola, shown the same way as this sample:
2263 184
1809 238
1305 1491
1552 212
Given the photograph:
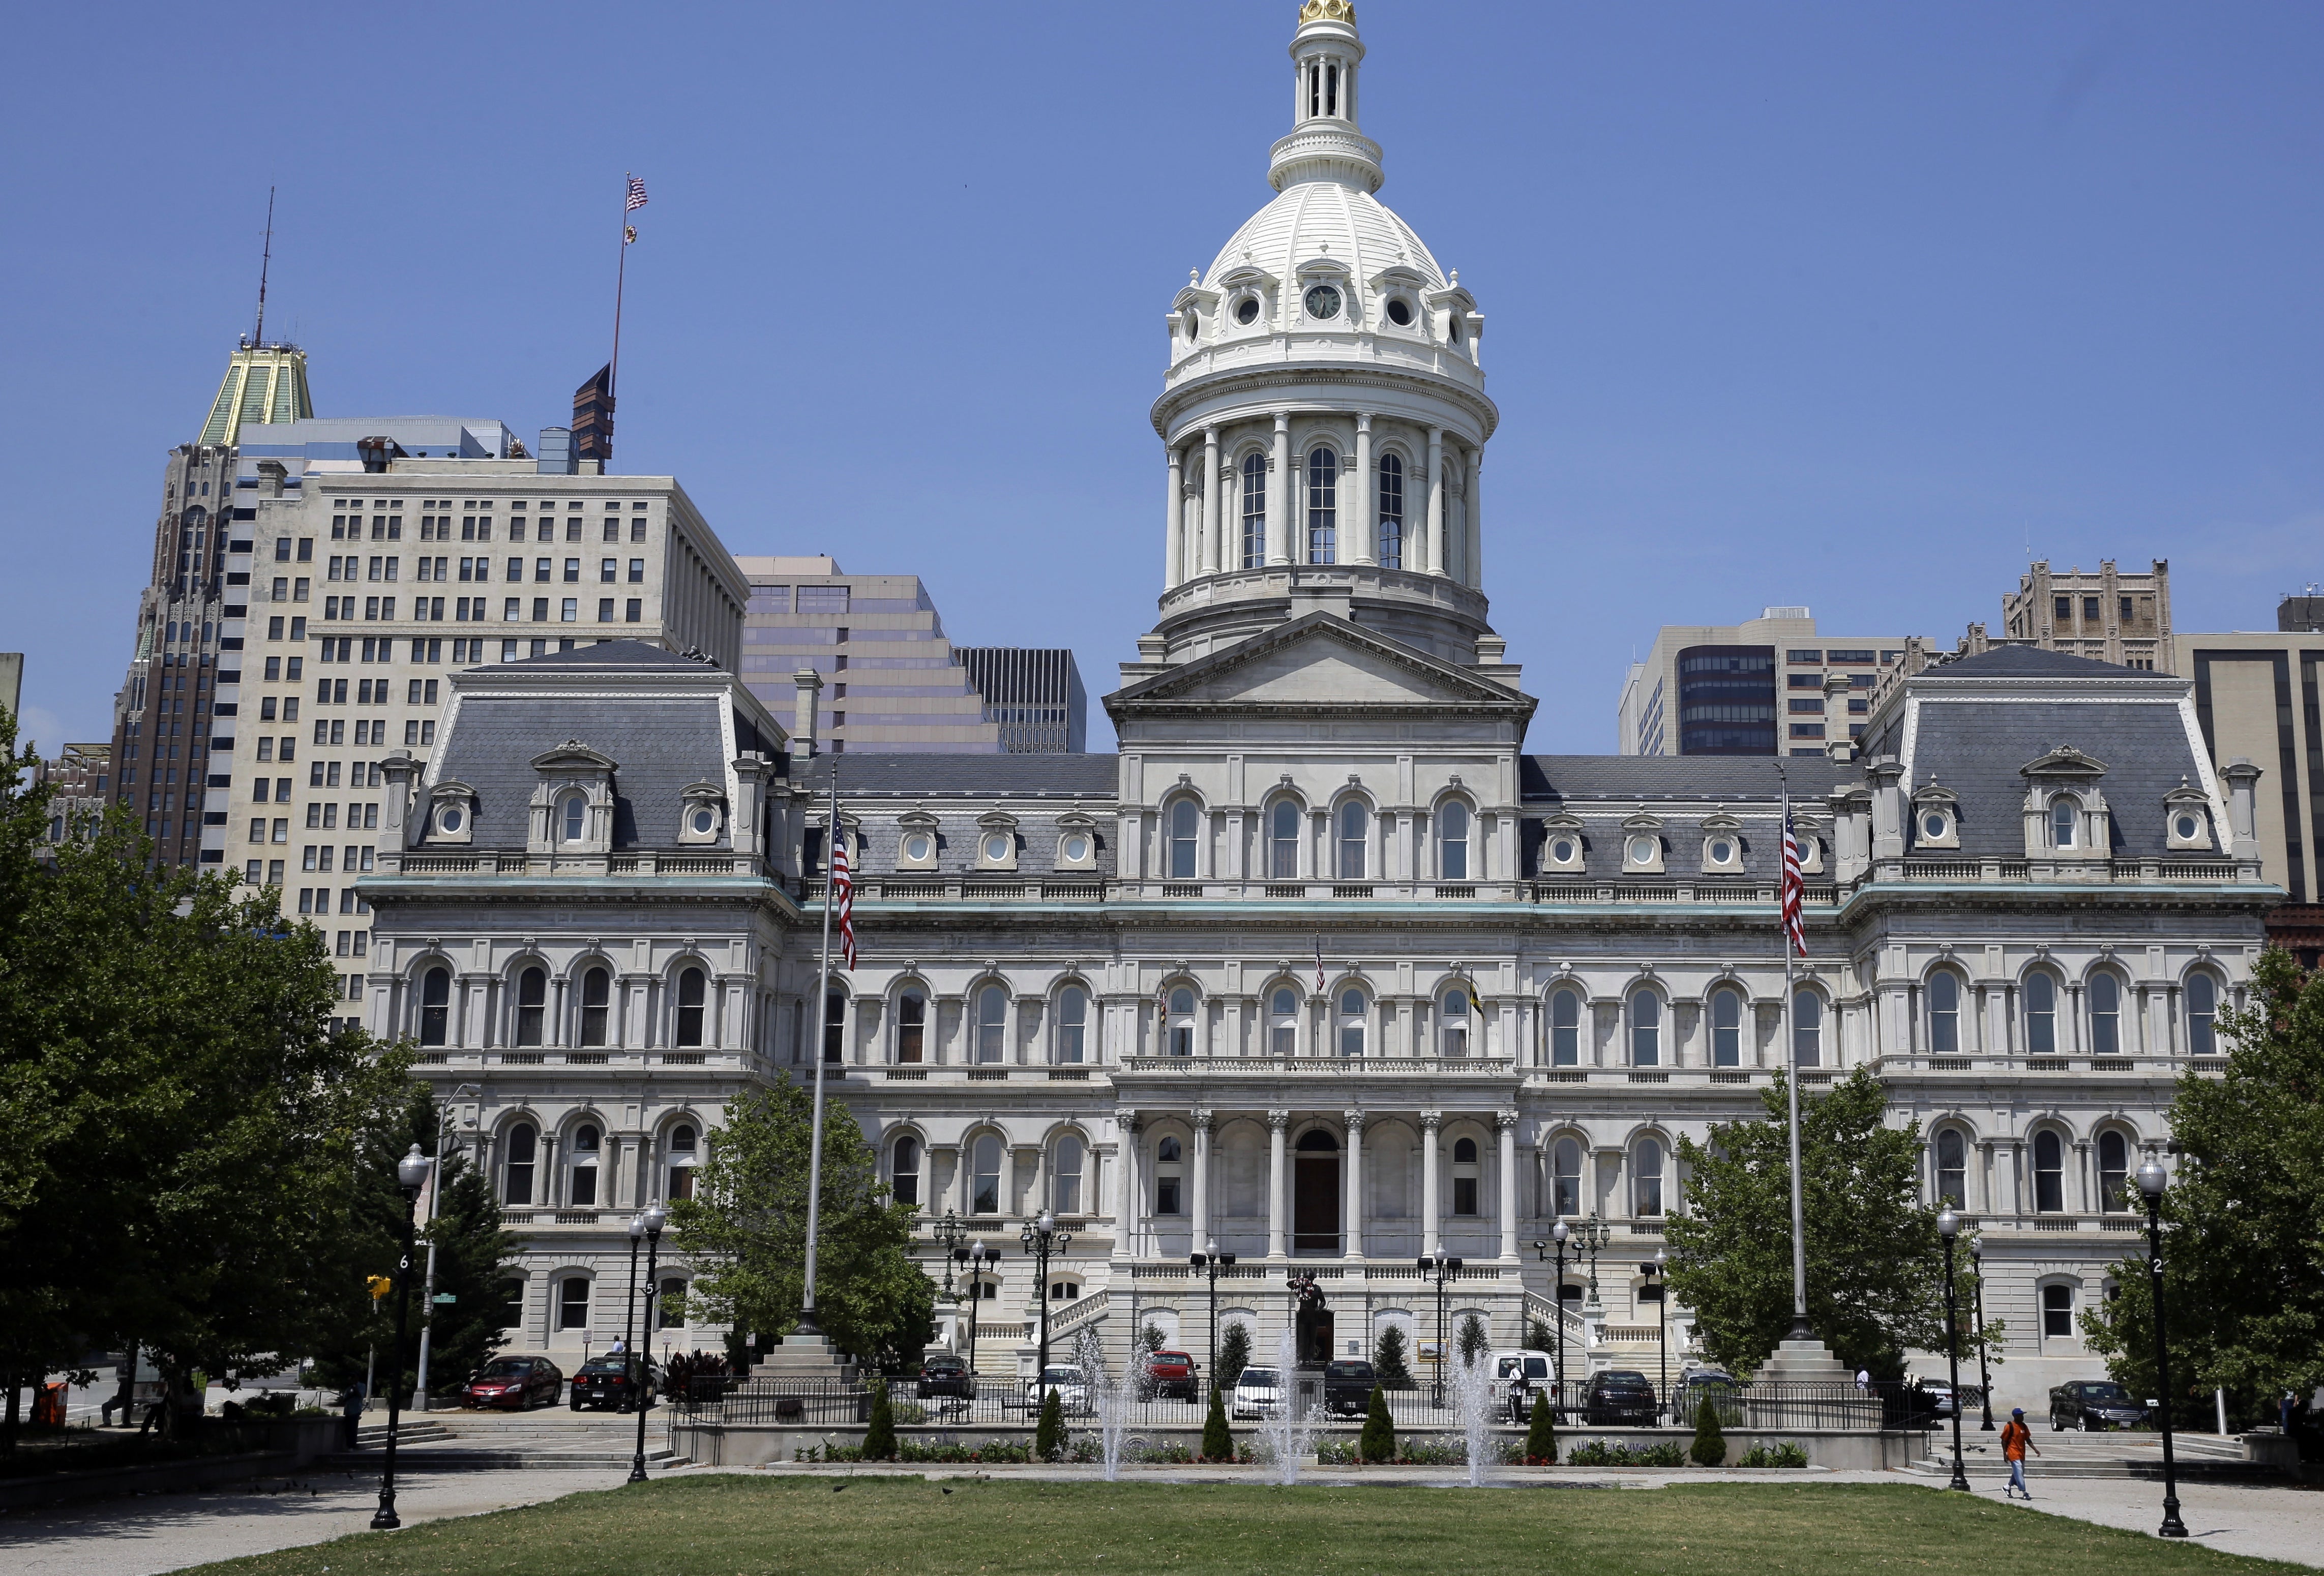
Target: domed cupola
1325 410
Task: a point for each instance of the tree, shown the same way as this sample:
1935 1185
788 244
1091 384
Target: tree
1874 1267
1234 1354
1387 1358
1218 1440
746 1230
1541 1434
1473 1341
1539 1337
1049 1434
880 1438
1378 1442
1709 1446
2243 1257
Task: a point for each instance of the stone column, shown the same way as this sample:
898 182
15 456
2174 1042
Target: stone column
1507 1122
1430 1121
1352 1241
1174 523
1436 560
1213 527
1367 499
1476 517
1276 1122
1125 1212
1201 1217
1279 493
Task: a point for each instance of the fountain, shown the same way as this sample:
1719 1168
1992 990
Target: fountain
1108 1396
1288 1429
1472 1400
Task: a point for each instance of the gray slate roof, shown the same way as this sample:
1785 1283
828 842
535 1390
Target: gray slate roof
1977 747
660 747
2030 662
1718 778
989 777
622 653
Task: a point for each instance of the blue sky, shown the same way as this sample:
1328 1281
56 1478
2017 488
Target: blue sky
1842 305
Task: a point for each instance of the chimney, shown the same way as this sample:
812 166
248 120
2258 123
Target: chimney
556 457
2243 783
271 474
803 716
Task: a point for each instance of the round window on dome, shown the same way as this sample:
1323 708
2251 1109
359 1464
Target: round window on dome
1932 826
996 846
1400 312
1561 851
704 822
1453 328
450 818
2188 827
1722 852
918 846
1643 850
1194 323
1247 311
1076 848
1322 302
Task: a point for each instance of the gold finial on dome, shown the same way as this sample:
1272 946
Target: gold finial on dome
1328 11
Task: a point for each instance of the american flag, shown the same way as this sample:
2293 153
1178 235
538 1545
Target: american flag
1794 888
843 899
1319 965
637 198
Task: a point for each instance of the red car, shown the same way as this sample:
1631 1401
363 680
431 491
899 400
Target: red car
516 1383
1171 1375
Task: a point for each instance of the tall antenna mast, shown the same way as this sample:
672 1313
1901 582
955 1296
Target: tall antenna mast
258 335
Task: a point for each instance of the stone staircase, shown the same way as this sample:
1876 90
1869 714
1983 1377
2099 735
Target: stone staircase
2090 1455
553 1439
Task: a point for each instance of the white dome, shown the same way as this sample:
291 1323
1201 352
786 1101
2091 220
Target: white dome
1325 219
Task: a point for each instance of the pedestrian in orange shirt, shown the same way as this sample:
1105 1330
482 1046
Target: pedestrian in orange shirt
2015 1437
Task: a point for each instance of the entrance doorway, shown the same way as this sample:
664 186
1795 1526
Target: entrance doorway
1315 1194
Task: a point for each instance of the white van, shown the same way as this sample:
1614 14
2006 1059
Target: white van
1521 1373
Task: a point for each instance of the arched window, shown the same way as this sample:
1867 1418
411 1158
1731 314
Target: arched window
1807 1029
2114 1171
991 1025
1355 832
596 1003
1283 842
1391 513
905 1180
1944 1013
1464 1177
1952 1168
1565 1172
1170 1178
984 1175
1066 1175
573 1303
912 1027
1648 1170
1726 1028
2202 1013
1254 510
1453 841
691 986
2058 1310
532 999
1283 1021
1646 1029
2106 1014
583 1194
681 1160
1323 506
1453 1009
2065 817
2048 1173
2041 1014
669 1308
1182 1021
573 811
1186 833
1072 1025
1565 1028
1352 1016
516 1164
435 1006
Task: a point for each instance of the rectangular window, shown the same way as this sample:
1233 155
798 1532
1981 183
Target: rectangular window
2129 610
540 607
1803 656
515 570
266 749
2090 610
636 609
2062 608
823 598
572 1302
570 610
637 530
1863 657
637 571
572 570
1807 730
604 610
541 569
609 570
1806 708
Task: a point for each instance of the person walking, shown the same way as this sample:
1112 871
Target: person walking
2016 1438
351 1406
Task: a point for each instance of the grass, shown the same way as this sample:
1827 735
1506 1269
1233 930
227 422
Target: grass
748 1526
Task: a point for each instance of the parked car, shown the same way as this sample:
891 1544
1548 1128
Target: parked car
1939 1397
946 1374
1620 1396
1708 1383
516 1383
1259 1392
611 1381
1071 1387
1521 1373
1348 1388
1170 1375
2092 1405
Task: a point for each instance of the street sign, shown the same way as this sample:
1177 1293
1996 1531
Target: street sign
446 1298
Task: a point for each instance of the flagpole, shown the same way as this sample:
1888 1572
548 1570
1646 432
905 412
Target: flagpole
807 1325
621 278
1801 1330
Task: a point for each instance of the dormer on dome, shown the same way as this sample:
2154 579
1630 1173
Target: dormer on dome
451 815
2065 813
2187 820
571 811
702 814
1936 816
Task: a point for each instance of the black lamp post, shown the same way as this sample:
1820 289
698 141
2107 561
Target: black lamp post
1948 1227
652 1221
1590 1237
1984 1383
1041 1238
1558 1233
949 1234
1657 1291
412 1176
630 1313
1211 1260
1442 1269
2152 1180
974 1257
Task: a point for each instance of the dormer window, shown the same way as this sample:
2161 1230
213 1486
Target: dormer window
1936 816
452 817
1399 312
2186 815
996 841
572 817
2065 820
1247 311
701 813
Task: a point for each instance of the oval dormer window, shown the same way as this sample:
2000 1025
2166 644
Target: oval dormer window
1194 324
1561 851
1076 848
704 822
1722 852
918 846
1643 851
2189 828
1400 312
1933 825
1247 311
996 846
450 818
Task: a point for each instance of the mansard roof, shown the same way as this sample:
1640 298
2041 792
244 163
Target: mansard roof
946 776
1717 779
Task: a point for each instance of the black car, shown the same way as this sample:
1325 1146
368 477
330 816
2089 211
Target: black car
610 1381
2091 1405
946 1374
1619 1397
1348 1388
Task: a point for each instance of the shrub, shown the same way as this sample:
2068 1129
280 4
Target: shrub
880 1438
1597 1452
1387 1358
1378 1441
1234 1355
1472 1339
1218 1440
1539 1337
1049 1437
1709 1447
1541 1434
1785 1454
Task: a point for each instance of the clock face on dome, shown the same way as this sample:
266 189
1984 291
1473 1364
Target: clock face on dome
1322 301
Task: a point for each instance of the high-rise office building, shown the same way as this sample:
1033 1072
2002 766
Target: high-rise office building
1769 686
1034 694
79 776
2110 615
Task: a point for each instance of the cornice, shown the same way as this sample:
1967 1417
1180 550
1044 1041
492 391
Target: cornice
1268 381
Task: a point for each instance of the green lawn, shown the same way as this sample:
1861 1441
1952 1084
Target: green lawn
732 1525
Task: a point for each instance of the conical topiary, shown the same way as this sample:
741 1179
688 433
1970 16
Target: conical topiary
1049 1436
1378 1442
880 1438
1709 1447
1217 1440
1541 1435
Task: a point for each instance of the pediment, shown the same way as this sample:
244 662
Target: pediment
2065 761
1320 661
572 756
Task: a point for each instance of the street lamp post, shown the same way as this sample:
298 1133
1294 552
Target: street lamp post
427 1286
1590 1237
1948 1227
2152 1180
974 1257
1983 1382
630 1313
949 1234
412 1176
1442 1269
1211 1260
653 1219
1558 1233
1041 1238
1657 1291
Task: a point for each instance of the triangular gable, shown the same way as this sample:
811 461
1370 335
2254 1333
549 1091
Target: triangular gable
1320 660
